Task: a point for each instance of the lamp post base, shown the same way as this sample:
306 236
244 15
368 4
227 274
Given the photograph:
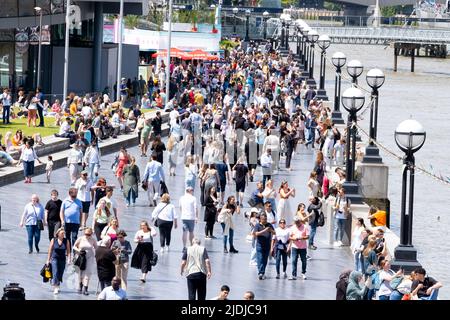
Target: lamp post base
311 82
322 95
405 257
284 51
352 192
336 117
372 155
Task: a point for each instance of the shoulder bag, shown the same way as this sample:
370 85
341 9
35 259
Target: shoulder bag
39 222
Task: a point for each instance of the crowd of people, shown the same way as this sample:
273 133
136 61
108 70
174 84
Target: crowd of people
232 124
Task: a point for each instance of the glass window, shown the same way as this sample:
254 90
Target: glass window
6 63
26 8
8 8
45 5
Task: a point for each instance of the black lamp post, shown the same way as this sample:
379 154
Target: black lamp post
410 137
354 70
247 24
375 79
235 11
305 50
323 42
338 60
313 36
283 30
288 23
265 17
353 100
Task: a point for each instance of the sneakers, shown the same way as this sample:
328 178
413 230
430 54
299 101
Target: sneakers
340 243
278 276
293 278
304 276
336 244
128 205
260 277
56 290
285 275
253 263
308 257
312 247
162 250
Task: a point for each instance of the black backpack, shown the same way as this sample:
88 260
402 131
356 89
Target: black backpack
12 291
320 219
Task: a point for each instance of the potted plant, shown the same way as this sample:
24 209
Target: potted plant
194 19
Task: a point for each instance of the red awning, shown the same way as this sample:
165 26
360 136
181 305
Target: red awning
174 52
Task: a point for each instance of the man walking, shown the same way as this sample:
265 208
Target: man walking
189 214
299 235
263 232
154 174
6 101
85 194
197 267
70 215
266 164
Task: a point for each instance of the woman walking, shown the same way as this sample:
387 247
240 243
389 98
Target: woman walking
123 159
58 250
33 218
190 172
241 174
172 147
28 156
210 213
144 251
227 222
111 230
86 246
74 162
284 206
123 257
313 185
165 217
101 218
280 243
131 179
270 194
211 179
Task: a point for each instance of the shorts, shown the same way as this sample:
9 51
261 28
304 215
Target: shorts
86 205
240 186
188 225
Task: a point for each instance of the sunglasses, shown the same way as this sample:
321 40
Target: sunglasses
282 222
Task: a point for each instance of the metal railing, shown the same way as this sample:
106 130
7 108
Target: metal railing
386 35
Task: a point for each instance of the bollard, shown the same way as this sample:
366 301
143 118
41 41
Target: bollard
0 217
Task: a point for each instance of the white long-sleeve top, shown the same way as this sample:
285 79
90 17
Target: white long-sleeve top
75 156
28 154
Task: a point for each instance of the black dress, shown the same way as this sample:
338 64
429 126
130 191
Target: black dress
142 256
159 150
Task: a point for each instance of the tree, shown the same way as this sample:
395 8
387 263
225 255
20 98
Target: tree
227 45
131 21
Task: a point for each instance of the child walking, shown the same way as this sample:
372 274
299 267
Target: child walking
49 168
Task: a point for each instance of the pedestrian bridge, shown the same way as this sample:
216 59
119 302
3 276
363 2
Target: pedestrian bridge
384 36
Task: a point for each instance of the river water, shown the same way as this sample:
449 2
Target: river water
424 96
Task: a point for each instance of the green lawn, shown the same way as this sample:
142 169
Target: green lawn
21 124
48 130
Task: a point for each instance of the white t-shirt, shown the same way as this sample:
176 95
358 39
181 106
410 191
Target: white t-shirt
188 207
84 189
146 236
282 234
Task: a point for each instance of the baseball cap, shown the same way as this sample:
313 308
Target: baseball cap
189 188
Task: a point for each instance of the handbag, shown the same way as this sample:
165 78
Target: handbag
163 188
46 272
144 185
252 203
154 259
39 222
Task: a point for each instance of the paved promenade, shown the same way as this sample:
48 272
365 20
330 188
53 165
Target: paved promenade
164 281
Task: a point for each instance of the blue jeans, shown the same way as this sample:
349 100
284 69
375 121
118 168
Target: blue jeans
58 266
93 169
312 234
295 254
311 136
279 255
131 197
395 295
433 295
359 262
262 256
72 231
6 112
382 298
33 232
339 226
253 252
229 237
6 156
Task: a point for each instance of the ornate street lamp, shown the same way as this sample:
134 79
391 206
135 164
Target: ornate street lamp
354 70
375 79
313 36
323 42
247 25
352 100
235 11
288 23
338 60
265 17
409 137
305 51
283 29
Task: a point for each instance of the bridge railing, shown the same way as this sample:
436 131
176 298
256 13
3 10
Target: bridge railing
361 21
